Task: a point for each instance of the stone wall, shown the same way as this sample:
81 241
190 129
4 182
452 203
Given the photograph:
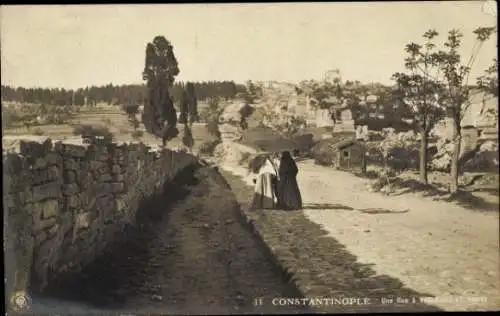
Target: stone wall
64 203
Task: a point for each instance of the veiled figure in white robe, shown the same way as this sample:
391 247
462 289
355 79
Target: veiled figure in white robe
265 187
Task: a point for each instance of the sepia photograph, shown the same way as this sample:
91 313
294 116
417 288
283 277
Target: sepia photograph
250 158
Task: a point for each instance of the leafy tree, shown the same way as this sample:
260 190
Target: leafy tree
245 112
420 90
489 81
456 94
320 94
251 93
132 110
160 117
214 112
188 139
121 95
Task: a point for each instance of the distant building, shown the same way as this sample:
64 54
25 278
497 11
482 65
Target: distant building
370 99
350 155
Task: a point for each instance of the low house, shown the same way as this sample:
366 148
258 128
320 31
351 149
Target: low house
350 155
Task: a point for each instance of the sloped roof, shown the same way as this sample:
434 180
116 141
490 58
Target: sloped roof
345 143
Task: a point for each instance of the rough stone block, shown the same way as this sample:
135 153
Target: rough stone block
105 203
71 164
53 159
116 169
118 154
106 177
66 220
10 201
53 231
13 163
35 149
58 147
101 156
47 191
40 163
83 220
49 174
74 150
119 178
118 187
40 224
86 180
40 237
24 178
122 205
44 251
96 165
50 208
72 202
70 176
70 189
26 196
104 188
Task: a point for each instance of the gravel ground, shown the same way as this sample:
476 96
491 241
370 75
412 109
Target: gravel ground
191 257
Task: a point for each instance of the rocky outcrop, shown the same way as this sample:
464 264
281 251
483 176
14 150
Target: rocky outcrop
65 203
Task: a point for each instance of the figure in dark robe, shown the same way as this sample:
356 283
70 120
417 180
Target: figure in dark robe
289 197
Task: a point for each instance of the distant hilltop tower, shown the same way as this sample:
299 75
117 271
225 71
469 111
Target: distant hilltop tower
333 76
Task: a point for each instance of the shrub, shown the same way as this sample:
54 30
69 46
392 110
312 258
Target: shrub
91 133
137 134
10 117
324 159
134 122
56 114
38 131
213 128
208 147
322 153
399 150
131 109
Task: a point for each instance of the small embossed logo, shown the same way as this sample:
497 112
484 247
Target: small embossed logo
20 301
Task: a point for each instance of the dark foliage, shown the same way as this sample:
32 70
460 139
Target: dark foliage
93 134
208 147
116 94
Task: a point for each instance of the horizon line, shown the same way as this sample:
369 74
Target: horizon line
185 81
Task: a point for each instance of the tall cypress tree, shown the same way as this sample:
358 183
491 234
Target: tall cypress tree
192 103
160 117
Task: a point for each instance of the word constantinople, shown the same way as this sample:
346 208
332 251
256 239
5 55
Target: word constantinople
320 301
358 301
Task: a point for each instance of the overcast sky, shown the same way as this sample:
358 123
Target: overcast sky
74 46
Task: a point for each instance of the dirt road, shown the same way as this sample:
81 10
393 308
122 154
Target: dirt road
190 257
433 247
